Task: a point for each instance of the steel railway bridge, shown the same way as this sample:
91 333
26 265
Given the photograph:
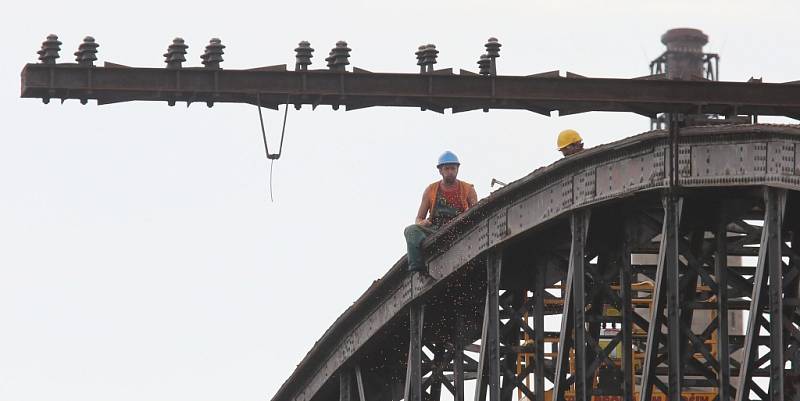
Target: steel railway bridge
614 273
568 240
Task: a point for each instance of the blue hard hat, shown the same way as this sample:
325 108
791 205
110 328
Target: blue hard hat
447 157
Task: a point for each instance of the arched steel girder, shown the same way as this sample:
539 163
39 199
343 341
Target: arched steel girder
518 253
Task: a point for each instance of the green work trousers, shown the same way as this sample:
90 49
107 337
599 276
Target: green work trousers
415 234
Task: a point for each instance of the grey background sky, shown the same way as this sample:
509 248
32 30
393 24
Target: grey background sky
140 258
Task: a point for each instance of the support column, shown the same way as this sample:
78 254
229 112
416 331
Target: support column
345 384
578 265
627 317
569 324
773 227
674 333
793 291
360 384
458 359
538 326
493 267
489 363
413 391
723 340
666 270
511 340
774 203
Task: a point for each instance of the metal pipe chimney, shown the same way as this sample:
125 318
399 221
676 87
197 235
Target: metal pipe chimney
684 55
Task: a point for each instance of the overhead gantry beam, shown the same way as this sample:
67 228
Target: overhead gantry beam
437 91
429 89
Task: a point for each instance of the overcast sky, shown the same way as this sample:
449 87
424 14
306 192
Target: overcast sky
140 256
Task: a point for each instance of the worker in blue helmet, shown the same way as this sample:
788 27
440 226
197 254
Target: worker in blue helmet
441 202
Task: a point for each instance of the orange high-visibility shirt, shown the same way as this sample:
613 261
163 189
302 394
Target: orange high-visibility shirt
460 200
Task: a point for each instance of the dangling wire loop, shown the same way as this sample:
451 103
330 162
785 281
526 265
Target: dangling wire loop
272 156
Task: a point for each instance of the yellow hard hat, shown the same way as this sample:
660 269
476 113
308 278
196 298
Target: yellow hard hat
568 137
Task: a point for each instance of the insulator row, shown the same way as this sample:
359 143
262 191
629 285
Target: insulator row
487 63
176 53
304 52
86 54
426 57
337 60
213 54
50 48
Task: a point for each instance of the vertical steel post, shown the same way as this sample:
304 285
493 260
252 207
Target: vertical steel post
627 317
577 264
538 326
795 293
413 391
481 376
689 292
396 389
360 384
345 384
773 205
674 334
489 361
458 358
723 340
594 313
668 246
564 344
565 338
775 253
493 267
511 341
579 224
435 390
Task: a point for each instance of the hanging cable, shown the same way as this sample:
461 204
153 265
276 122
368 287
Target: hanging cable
271 163
272 156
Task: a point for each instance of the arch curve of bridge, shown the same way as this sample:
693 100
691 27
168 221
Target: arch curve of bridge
632 171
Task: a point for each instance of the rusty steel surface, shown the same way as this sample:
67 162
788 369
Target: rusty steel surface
732 158
436 91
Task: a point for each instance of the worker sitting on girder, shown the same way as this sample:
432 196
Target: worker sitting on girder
570 142
441 202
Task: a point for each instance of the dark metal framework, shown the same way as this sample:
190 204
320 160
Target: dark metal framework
707 237
691 237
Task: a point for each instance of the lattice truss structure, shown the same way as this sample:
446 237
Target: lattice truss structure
658 263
